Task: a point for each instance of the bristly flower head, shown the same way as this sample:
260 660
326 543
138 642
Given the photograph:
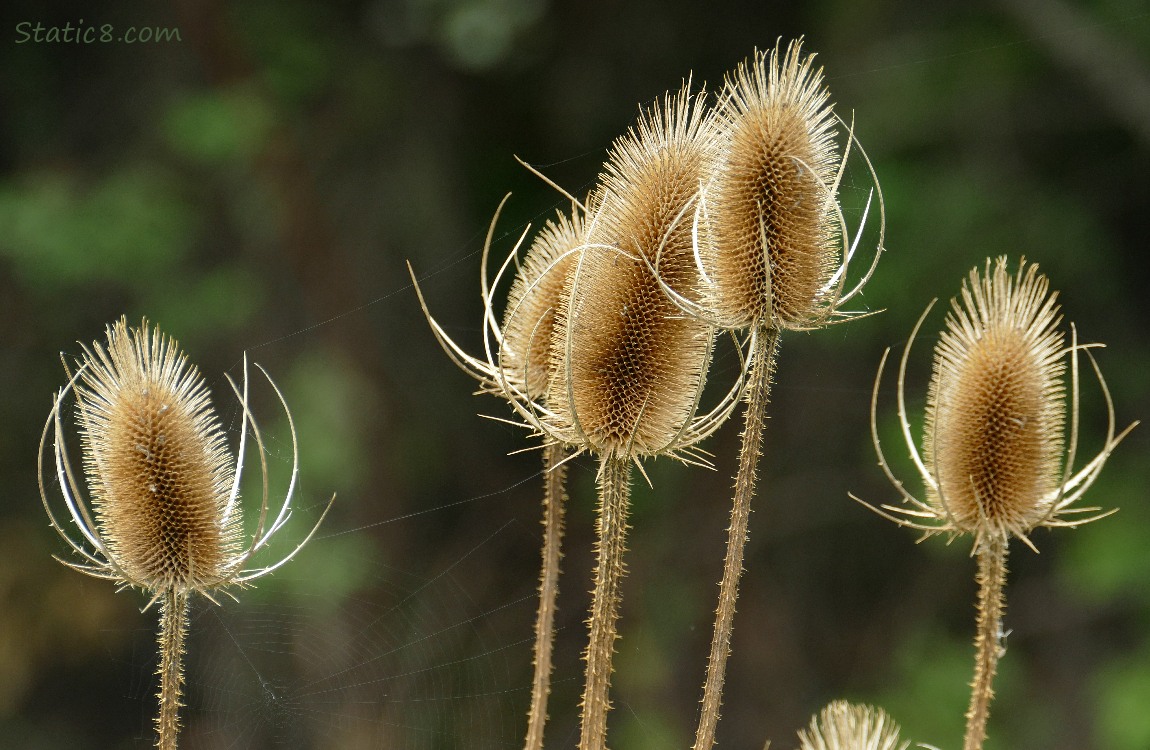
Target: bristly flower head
846 726
632 364
994 458
517 361
164 491
525 353
775 250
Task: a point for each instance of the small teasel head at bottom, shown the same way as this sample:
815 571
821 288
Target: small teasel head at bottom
847 726
162 509
997 454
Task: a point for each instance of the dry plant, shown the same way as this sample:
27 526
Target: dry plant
519 364
163 511
846 726
528 333
633 367
595 356
773 250
994 458
702 219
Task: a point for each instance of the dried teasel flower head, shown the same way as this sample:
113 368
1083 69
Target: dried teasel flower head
996 407
517 361
525 354
594 351
164 490
846 726
994 458
776 250
631 365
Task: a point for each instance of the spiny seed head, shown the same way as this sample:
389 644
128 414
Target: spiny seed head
996 406
633 363
846 726
161 511
774 243
994 458
535 295
157 463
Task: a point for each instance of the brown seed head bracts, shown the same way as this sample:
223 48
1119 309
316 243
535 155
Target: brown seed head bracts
993 437
995 456
158 467
774 243
526 357
161 511
634 363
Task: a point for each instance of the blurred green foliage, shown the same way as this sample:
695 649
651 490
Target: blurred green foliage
1122 689
218 127
124 228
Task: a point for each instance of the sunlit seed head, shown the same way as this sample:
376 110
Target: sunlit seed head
996 407
156 460
534 298
775 241
846 726
634 363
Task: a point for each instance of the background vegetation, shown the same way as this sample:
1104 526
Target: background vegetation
257 185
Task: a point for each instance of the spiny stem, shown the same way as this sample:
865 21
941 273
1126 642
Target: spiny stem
988 644
614 497
758 396
173 628
554 502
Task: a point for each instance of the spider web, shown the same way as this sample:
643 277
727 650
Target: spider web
408 660
347 646
418 671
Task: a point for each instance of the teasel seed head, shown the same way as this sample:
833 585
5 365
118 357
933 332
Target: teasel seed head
612 365
631 364
773 242
529 333
517 362
157 462
163 490
996 408
994 458
775 237
846 726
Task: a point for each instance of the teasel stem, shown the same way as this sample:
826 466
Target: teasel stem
173 629
988 642
554 504
754 422
614 499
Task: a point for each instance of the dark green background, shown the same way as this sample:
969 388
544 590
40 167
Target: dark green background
258 185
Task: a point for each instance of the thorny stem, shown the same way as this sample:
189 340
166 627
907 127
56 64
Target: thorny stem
173 628
614 497
554 502
988 643
758 396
